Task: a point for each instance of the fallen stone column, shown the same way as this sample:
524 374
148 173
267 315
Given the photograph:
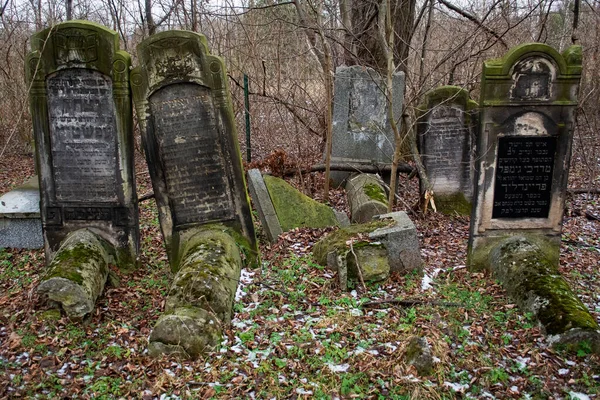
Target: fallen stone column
77 273
366 197
201 297
536 285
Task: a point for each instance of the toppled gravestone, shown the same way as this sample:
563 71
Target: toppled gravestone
366 197
294 209
182 100
82 124
264 205
528 103
381 246
20 223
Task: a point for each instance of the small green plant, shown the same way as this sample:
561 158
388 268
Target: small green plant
497 375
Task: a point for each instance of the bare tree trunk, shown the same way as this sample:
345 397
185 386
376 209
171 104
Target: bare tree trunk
69 10
403 16
574 35
424 47
346 14
150 26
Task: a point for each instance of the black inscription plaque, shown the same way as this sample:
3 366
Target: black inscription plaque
83 136
523 184
190 149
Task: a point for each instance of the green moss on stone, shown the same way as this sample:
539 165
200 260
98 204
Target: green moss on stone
336 241
375 192
294 209
533 281
452 204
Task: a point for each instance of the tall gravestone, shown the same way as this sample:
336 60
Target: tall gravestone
182 100
446 137
528 102
189 135
361 131
82 122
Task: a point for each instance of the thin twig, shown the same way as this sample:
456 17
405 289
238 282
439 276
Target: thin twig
409 303
360 275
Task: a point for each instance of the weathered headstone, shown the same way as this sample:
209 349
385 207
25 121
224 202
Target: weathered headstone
82 122
20 223
361 130
182 100
446 139
528 102
366 197
188 131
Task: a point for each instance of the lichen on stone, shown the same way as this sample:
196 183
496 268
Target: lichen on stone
294 209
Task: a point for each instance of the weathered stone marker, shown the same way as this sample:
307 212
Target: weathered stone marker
366 197
188 131
528 101
81 111
446 139
20 223
361 130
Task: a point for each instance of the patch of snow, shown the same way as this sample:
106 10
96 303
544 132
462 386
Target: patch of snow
578 396
302 391
338 368
354 294
355 312
563 371
522 361
457 387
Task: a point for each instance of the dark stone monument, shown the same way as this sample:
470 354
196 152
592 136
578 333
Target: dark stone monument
446 138
188 131
189 135
81 112
361 132
528 101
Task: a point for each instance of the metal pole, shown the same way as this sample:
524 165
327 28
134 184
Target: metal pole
247 112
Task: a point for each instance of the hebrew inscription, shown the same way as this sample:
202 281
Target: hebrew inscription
83 136
447 148
192 156
524 177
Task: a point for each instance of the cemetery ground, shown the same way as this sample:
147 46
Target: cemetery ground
294 333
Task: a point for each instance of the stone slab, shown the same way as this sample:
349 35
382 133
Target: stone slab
401 242
264 205
361 130
20 222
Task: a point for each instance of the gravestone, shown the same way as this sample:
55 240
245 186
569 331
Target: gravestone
20 223
82 123
361 131
189 135
446 138
182 100
528 102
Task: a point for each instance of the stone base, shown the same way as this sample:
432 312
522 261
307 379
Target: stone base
20 222
401 242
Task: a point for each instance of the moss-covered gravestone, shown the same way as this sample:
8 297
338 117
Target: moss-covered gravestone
188 131
446 139
82 122
528 102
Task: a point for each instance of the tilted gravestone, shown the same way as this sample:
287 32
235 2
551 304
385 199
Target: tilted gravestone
361 131
82 122
528 102
446 139
189 135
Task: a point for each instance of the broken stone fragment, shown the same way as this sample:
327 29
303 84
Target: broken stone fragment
366 196
77 273
418 354
201 296
535 284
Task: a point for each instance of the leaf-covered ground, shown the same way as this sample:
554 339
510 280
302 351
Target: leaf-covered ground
296 335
